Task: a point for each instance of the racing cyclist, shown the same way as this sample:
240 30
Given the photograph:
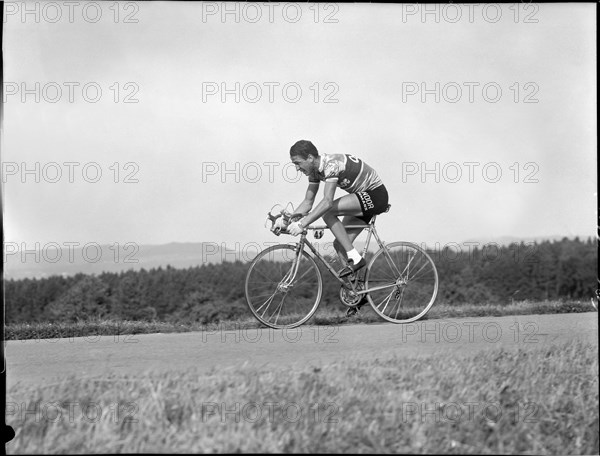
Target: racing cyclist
367 196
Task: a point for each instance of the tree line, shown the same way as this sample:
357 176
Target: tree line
550 270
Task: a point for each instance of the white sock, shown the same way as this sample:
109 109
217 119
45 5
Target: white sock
354 256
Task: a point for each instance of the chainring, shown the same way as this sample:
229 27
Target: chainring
349 297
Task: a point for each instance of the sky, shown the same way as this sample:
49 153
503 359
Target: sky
172 122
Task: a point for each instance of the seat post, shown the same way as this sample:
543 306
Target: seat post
387 209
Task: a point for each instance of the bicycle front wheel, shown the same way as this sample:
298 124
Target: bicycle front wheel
404 282
283 288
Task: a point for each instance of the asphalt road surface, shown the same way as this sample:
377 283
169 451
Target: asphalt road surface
41 362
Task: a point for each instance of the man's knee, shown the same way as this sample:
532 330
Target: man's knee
330 217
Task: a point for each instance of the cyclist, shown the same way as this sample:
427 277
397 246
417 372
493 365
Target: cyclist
367 196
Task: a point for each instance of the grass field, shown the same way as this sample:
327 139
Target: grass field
535 400
326 315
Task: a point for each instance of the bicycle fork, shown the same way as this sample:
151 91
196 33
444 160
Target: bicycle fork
290 276
285 284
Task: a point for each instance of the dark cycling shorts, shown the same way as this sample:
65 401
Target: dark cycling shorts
372 202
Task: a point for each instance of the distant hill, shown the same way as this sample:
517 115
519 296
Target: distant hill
176 254
110 259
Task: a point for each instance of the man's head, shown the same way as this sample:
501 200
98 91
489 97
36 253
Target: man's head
305 156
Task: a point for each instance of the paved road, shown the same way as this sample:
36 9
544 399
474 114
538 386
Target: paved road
39 362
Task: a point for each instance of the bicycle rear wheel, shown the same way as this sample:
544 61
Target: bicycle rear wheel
279 294
408 282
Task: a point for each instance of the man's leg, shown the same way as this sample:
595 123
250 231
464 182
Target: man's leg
346 205
349 206
352 235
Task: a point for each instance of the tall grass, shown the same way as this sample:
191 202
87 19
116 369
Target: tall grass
536 400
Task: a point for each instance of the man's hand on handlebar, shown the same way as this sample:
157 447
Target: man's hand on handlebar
279 223
295 228
282 222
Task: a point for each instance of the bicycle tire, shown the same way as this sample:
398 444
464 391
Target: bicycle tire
303 295
414 290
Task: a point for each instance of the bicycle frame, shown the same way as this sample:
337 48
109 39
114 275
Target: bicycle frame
395 271
371 231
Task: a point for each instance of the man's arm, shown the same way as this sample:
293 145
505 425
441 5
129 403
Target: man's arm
323 206
305 206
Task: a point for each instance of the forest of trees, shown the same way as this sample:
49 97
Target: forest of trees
558 270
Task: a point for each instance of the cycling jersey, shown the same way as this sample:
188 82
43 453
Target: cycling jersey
351 173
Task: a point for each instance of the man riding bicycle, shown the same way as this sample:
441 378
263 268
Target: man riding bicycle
367 196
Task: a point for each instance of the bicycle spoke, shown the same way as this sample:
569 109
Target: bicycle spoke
399 301
414 274
267 303
387 301
390 261
404 273
263 295
278 308
302 276
297 279
267 278
413 282
419 272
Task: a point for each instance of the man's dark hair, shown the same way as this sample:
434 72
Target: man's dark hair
304 148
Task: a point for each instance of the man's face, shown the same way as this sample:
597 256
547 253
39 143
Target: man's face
307 167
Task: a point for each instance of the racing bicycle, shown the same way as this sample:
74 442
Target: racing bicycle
284 285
